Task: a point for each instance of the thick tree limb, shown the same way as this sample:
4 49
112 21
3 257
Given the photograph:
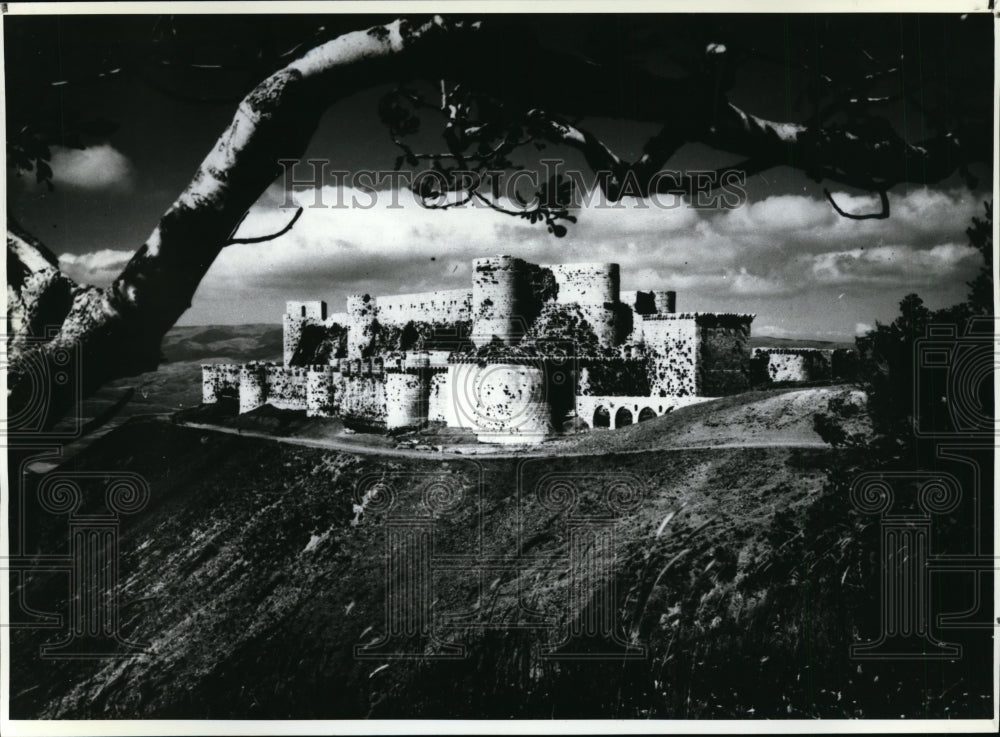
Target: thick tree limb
38 294
118 330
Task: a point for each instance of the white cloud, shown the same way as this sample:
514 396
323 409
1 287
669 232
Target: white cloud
772 331
94 167
776 246
789 258
96 267
862 327
893 264
745 283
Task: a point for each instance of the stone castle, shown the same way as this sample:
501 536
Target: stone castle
531 350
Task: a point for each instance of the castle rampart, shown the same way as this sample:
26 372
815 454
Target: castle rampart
725 353
286 386
613 376
521 392
219 381
362 400
445 306
698 353
650 303
440 405
320 393
666 302
794 364
406 399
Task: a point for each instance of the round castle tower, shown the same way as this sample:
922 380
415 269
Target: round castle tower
499 284
360 316
253 386
407 392
596 287
501 402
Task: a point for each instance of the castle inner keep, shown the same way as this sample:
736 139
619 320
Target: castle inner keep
530 351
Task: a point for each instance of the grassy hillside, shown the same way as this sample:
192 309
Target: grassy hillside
779 417
257 567
176 383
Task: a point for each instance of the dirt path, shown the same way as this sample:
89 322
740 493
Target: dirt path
779 419
480 451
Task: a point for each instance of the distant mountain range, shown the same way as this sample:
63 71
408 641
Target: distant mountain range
254 342
760 341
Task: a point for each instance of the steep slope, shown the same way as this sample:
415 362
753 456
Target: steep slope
778 417
257 568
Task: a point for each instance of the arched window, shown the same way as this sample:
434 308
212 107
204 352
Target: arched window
602 418
623 417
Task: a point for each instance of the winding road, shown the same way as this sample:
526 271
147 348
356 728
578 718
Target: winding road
484 451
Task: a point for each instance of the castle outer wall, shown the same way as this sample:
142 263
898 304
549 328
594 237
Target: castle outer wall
793 364
650 358
440 307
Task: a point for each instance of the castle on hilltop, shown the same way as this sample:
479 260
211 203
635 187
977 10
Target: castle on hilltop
527 352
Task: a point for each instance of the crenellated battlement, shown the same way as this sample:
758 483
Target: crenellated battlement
506 373
444 306
702 316
511 359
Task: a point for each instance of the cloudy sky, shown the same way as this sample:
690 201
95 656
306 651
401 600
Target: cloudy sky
785 255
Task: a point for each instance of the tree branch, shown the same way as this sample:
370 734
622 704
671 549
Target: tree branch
882 214
119 329
620 177
272 236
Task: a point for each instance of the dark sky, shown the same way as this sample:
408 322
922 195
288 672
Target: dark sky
785 255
